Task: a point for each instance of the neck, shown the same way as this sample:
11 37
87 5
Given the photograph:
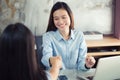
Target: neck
65 34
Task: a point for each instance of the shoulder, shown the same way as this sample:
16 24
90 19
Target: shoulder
78 35
77 32
49 34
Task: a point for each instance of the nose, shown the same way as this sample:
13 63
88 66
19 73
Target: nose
61 21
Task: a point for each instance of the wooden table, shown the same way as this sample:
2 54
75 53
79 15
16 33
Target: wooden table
107 41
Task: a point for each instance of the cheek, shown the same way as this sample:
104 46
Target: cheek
68 22
55 22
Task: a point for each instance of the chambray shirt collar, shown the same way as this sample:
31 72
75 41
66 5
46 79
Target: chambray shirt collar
59 36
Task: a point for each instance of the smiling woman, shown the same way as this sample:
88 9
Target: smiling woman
93 15
62 22
61 39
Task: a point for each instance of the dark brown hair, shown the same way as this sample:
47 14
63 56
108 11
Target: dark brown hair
59 5
17 54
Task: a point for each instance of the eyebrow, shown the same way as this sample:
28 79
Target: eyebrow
57 16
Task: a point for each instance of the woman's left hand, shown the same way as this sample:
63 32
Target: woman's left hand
90 61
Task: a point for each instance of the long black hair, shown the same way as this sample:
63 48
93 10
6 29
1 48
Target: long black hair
56 6
18 60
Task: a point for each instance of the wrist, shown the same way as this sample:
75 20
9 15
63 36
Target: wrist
87 67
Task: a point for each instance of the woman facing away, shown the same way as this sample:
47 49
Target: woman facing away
61 39
18 58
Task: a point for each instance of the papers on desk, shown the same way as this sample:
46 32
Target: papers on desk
93 35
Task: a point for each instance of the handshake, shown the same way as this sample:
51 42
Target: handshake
56 61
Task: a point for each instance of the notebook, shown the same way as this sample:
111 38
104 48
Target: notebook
108 68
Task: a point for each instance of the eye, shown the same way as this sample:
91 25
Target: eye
56 18
64 17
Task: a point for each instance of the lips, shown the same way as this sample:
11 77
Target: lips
61 26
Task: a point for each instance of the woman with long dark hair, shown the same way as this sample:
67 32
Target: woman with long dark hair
18 59
62 39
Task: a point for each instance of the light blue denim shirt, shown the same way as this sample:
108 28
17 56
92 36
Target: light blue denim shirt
73 51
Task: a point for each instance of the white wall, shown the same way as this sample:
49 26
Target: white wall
93 15
89 15
37 14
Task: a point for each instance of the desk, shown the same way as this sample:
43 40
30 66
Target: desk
105 42
72 74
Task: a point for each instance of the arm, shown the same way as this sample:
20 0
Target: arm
56 63
85 62
52 63
47 50
82 53
54 72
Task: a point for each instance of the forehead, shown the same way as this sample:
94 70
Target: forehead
60 12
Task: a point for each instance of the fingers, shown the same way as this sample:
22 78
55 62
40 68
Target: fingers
90 61
56 61
59 57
